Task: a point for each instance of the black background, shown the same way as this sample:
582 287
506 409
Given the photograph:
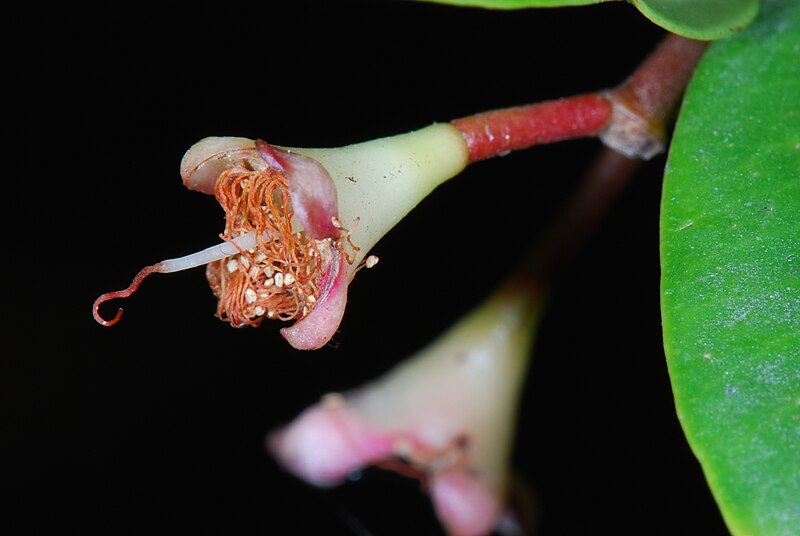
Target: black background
158 423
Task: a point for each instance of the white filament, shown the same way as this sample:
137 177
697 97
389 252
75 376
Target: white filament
214 253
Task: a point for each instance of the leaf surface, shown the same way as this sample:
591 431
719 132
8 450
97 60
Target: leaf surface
698 19
730 253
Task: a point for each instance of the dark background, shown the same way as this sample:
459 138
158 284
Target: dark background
158 423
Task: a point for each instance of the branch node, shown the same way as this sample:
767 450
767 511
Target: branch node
630 133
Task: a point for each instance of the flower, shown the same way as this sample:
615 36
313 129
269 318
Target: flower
447 414
300 222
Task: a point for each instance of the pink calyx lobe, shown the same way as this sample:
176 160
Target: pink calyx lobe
326 443
318 327
313 197
312 191
464 504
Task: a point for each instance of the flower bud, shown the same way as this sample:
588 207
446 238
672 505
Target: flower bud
448 413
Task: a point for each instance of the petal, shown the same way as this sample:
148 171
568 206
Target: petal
325 443
446 415
464 504
206 159
311 189
316 329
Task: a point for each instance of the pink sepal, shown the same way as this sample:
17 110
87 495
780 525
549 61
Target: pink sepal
312 191
205 161
316 329
326 443
463 503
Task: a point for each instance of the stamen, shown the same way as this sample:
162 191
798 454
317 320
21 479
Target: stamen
274 277
368 263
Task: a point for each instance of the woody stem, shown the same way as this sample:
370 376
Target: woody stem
631 119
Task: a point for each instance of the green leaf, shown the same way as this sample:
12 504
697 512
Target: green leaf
730 253
700 19
516 4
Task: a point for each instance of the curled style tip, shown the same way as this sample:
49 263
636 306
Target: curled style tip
137 280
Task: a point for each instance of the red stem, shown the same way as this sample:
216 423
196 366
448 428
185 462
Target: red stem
646 102
654 89
630 119
499 132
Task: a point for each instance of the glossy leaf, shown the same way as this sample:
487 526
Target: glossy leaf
516 4
730 246
700 19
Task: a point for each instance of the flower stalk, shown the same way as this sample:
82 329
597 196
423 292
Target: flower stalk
630 119
500 132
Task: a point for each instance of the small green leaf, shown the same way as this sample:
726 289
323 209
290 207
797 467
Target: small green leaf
516 4
700 19
730 253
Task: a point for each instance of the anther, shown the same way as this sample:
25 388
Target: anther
250 295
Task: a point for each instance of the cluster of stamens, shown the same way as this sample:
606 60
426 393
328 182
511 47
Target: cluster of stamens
277 278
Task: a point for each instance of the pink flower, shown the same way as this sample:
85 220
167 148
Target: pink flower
298 267
297 231
445 416
284 252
